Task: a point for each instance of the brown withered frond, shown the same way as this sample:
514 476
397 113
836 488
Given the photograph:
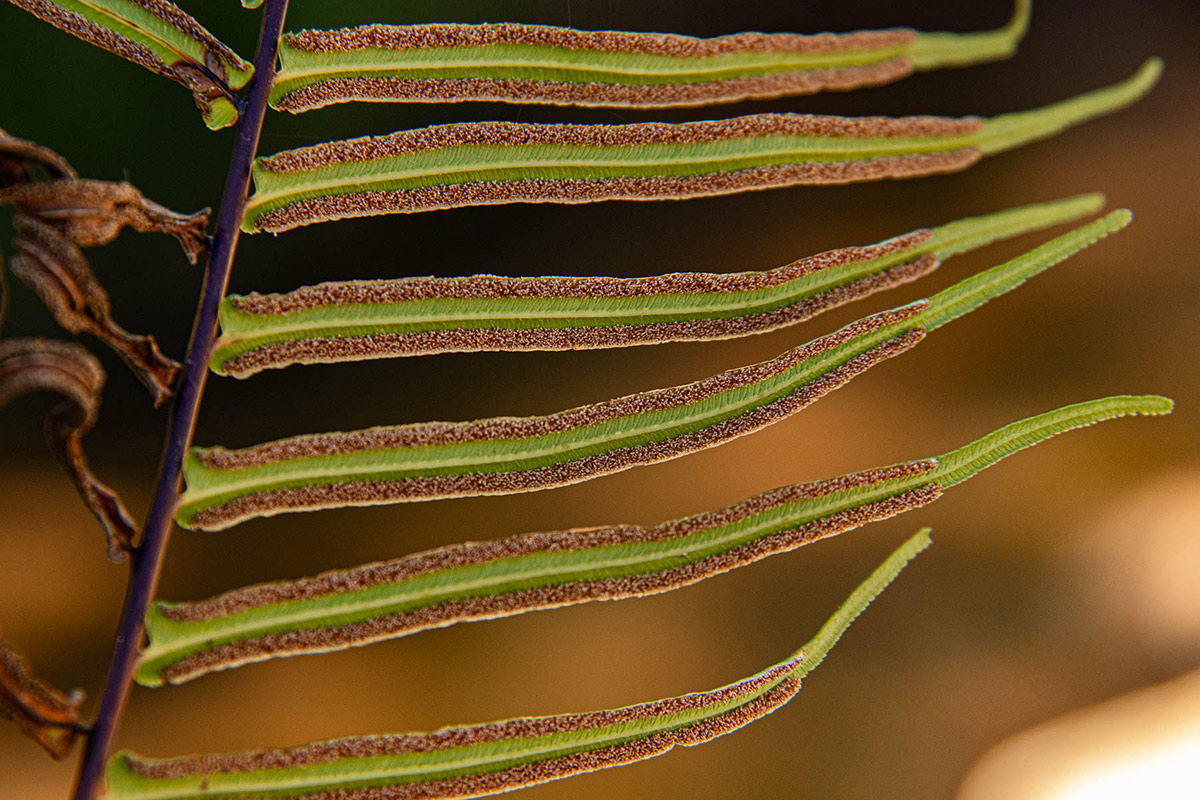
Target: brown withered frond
17 154
42 712
55 268
30 364
58 216
91 213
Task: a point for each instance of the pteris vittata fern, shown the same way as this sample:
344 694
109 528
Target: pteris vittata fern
487 163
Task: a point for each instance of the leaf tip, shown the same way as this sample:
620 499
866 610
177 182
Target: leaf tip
1149 73
1155 405
1092 202
817 648
1018 23
1119 219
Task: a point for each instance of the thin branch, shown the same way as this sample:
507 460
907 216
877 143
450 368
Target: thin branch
148 557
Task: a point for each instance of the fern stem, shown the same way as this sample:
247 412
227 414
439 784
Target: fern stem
147 557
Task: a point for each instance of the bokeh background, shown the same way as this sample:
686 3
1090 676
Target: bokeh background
1059 579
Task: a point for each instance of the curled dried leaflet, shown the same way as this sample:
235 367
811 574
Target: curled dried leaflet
55 268
90 212
18 155
58 216
35 365
43 713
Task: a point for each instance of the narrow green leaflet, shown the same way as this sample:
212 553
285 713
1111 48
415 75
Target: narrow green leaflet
514 63
496 757
481 163
358 320
161 37
504 455
486 580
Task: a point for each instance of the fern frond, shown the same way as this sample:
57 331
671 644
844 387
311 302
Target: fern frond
488 759
483 163
516 63
161 37
486 580
358 320
516 454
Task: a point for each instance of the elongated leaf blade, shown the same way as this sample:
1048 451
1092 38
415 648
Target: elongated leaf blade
484 163
357 320
492 758
516 63
505 455
515 454
161 37
486 580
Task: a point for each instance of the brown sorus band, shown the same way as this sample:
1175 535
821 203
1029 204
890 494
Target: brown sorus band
491 287
407 201
370 148
516 90
412 37
83 28
456 737
443 433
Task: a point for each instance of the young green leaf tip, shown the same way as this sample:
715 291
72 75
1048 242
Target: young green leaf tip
516 454
479 760
480 163
31 364
357 320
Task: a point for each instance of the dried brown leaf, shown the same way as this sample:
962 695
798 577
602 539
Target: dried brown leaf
16 155
29 364
43 713
55 268
90 212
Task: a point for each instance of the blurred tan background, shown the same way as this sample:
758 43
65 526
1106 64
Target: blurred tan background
1061 578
